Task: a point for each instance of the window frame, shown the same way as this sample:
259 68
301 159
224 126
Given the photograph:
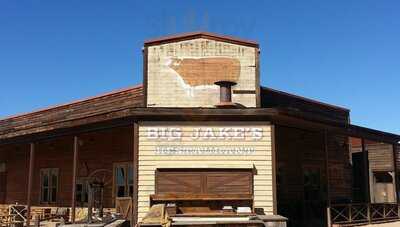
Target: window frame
49 172
125 166
3 167
84 181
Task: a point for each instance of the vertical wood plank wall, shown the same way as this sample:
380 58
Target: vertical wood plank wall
3 176
305 150
397 150
298 151
339 167
261 160
17 161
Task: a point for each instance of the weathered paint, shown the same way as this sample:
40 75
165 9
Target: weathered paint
261 159
182 74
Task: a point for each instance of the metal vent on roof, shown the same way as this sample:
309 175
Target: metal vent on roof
225 94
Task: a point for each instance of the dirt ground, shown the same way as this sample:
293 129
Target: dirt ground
391 224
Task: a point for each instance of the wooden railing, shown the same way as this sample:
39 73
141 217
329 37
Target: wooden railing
357 213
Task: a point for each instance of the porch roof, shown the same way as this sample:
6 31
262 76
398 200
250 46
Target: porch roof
85 111
125 106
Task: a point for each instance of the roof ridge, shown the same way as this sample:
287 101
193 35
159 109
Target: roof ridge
200 34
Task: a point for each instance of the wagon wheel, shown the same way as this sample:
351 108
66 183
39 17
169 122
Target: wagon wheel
103 176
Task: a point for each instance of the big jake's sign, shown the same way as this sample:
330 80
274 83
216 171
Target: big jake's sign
203 136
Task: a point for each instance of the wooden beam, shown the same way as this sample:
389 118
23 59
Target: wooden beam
366 172
30 182
258 86
74 172
274 169
145 74
326 148
135 173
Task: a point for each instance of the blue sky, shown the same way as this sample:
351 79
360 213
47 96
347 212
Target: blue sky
341 52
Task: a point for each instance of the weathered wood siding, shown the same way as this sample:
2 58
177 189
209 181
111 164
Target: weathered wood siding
182 74
261 160
3 177
380 156
299 151
340 169
3 185
98 150
296 149
397 147
17 161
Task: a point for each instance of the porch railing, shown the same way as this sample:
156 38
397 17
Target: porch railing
357 213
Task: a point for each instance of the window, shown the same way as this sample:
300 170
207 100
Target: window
383 177
48 185
82 189
2 167
123 179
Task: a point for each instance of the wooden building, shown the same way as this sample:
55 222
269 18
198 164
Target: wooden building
203 133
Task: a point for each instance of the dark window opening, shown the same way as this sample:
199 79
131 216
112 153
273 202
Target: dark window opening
383 177
82 191
123 174
49 185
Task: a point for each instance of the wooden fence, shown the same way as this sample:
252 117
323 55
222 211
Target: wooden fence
359 213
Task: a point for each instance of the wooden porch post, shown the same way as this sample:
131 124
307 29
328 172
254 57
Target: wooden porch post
396 183
135 174
30 182
74 171
366 172
328 192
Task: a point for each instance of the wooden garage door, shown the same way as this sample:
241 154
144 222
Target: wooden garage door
184 181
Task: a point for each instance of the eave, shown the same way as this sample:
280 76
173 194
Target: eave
128 116
91 110
200 34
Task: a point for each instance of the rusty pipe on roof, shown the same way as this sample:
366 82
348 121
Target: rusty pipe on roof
225 93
